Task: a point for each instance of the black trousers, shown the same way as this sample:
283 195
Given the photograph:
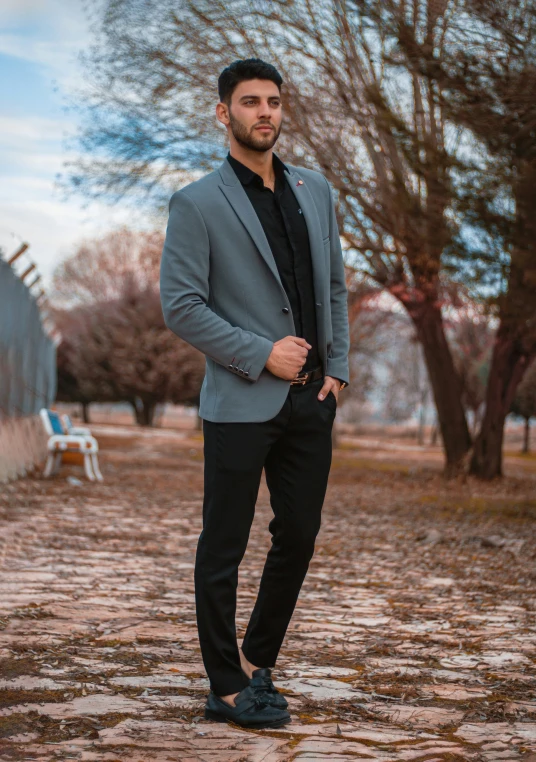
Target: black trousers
294 448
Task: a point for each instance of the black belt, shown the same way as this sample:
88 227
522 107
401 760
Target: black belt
307 377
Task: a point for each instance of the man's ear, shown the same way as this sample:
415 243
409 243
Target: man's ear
222 113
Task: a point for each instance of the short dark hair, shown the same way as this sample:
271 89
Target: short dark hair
241 70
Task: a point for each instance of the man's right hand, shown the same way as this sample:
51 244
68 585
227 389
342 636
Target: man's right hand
288 357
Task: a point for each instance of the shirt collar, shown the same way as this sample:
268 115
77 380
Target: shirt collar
247 175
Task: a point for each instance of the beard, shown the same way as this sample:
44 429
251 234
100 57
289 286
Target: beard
250 138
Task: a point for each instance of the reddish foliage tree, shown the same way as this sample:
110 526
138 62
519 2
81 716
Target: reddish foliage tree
103 269
122 350
116 346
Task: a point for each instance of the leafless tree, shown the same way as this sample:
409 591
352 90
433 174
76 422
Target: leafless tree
486 74
377 132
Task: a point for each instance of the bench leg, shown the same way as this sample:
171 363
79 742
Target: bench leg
49 465
96 469
57 463
87 467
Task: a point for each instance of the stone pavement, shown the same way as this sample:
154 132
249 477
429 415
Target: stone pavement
414 637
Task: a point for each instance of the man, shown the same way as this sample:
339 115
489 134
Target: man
252 275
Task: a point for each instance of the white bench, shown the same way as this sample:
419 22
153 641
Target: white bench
63 437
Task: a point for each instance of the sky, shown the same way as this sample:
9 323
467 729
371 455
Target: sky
39 43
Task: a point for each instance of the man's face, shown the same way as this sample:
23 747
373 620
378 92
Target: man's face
255 114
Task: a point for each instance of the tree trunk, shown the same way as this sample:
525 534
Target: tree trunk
526 436
146 414
143 411
508 365
446 387
134 407
514 343
85 412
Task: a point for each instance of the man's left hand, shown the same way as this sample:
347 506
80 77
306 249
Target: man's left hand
330 385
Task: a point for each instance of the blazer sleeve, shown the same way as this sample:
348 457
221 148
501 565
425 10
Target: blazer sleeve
337 365
184 293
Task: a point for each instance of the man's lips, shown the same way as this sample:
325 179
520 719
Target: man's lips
264 128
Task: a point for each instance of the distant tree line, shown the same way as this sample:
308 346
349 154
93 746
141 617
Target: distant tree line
116 348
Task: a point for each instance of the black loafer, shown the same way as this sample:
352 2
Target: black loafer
261 682
251 710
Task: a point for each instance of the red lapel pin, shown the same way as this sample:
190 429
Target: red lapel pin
300 182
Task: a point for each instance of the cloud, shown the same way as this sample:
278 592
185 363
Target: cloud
58 57
32 147
22 185
59 14
19 9
17 131
47 33
54 228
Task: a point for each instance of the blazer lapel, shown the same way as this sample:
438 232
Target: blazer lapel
238 198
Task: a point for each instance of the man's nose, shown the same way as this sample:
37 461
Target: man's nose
264 111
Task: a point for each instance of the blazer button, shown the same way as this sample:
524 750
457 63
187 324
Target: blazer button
285 310
246 373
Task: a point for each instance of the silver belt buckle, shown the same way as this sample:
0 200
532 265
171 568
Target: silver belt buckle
300 379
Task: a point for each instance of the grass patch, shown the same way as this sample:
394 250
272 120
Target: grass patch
15 696
518 454
12 667
504 507
368 464
14 725
110 442
55 730
31 611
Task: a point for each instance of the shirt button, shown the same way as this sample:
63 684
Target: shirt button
285 310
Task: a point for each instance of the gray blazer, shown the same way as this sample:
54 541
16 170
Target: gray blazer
221 291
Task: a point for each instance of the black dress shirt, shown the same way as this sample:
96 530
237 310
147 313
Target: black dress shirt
286 230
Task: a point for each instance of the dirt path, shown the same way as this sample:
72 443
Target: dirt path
414 637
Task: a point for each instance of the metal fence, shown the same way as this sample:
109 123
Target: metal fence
27 354
27 370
